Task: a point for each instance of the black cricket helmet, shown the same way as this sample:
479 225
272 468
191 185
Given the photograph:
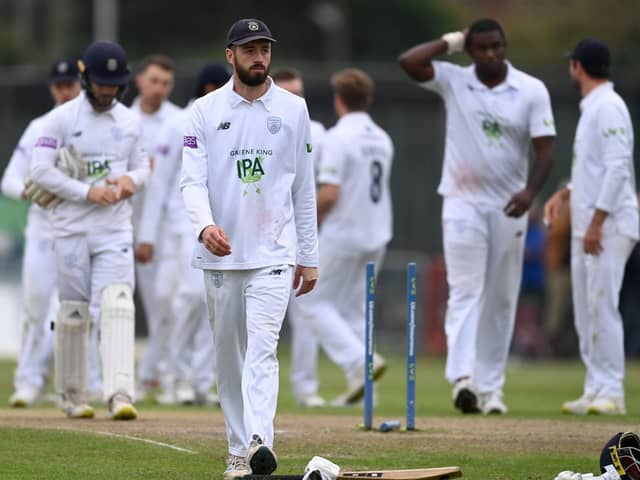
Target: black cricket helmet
623 452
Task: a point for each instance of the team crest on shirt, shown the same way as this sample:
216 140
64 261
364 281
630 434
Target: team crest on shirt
274 124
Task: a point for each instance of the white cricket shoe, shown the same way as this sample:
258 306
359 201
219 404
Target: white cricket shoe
121 408
578 406
492 403
167 397
74 406
24 397
311 401
464 396
236 467
355 390
185 393
261 459
607 406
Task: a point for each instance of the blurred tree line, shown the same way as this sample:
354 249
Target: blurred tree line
34 31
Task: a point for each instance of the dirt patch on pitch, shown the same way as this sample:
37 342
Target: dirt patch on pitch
203 430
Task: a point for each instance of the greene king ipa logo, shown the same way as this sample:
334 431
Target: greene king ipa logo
250 168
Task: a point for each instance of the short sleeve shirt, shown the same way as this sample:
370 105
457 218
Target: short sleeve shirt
489 131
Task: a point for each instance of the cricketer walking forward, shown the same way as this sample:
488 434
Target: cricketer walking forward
247 182
92 228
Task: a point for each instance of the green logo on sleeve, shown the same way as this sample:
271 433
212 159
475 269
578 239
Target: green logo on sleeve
309 149
610 132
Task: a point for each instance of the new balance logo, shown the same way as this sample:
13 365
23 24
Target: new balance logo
276 271
224 125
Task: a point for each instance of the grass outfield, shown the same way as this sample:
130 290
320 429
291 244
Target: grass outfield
534 441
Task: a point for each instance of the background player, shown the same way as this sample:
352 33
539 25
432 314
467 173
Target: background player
190 352
604 227
38 264
105 164
494 113
355 218
156 269
304 344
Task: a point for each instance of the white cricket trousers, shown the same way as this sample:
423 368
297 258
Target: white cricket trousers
335 312
85 265
483 250
246 310
40 309
191 340
596 281
157 284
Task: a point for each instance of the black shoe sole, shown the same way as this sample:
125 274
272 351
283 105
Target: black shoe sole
263 462
466 401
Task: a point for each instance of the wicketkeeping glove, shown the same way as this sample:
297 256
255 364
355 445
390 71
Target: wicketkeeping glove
70 163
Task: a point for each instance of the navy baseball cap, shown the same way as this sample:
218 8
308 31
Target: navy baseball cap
594 56
64 70
247 30
623 452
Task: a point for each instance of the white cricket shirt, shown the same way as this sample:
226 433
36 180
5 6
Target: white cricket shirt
163 200
603 173
317 137
152 124
38 219
111 145
247 167
357 156
489 131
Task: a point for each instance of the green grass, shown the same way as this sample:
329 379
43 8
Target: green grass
534 441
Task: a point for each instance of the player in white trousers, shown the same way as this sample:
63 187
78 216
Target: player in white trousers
355 218
495 112
304 344
40 301
157 267
190 353
247 182
604 227
90 157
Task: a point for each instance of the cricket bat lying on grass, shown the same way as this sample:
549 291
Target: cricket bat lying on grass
442 473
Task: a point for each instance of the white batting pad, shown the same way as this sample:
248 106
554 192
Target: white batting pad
71 350
117 319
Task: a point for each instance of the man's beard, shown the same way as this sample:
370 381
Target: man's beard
251 78
102 102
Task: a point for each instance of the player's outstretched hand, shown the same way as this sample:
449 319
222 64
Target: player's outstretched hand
103 196
144 252
123 187
519 204
304 279
216 241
